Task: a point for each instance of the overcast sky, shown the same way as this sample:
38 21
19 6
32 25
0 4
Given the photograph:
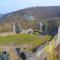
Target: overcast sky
7 6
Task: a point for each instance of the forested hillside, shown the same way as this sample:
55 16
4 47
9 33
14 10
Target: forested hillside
30 17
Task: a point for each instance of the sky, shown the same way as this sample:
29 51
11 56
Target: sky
7 6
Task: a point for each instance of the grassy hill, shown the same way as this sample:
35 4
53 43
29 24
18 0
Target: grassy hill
24 39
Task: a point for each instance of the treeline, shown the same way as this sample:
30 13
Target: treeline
49 26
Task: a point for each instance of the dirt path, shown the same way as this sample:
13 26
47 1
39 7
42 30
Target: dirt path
7 33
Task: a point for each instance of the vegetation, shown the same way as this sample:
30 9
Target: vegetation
6 27
50 51
57 49
24 39
38 14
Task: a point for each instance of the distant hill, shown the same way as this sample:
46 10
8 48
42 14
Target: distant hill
25 16
33 12
1 15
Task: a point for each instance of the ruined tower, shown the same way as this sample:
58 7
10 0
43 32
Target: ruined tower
16 28
41 25
13 27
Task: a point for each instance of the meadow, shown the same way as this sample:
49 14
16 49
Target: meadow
19 39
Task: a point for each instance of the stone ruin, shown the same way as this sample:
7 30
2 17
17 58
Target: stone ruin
41 25
57 38
16 28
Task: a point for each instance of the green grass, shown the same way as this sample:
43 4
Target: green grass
24 39
50 51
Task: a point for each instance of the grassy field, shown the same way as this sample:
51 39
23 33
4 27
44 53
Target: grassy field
23 39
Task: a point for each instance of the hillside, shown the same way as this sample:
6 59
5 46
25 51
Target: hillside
24 39
1 15
33 12
25 16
